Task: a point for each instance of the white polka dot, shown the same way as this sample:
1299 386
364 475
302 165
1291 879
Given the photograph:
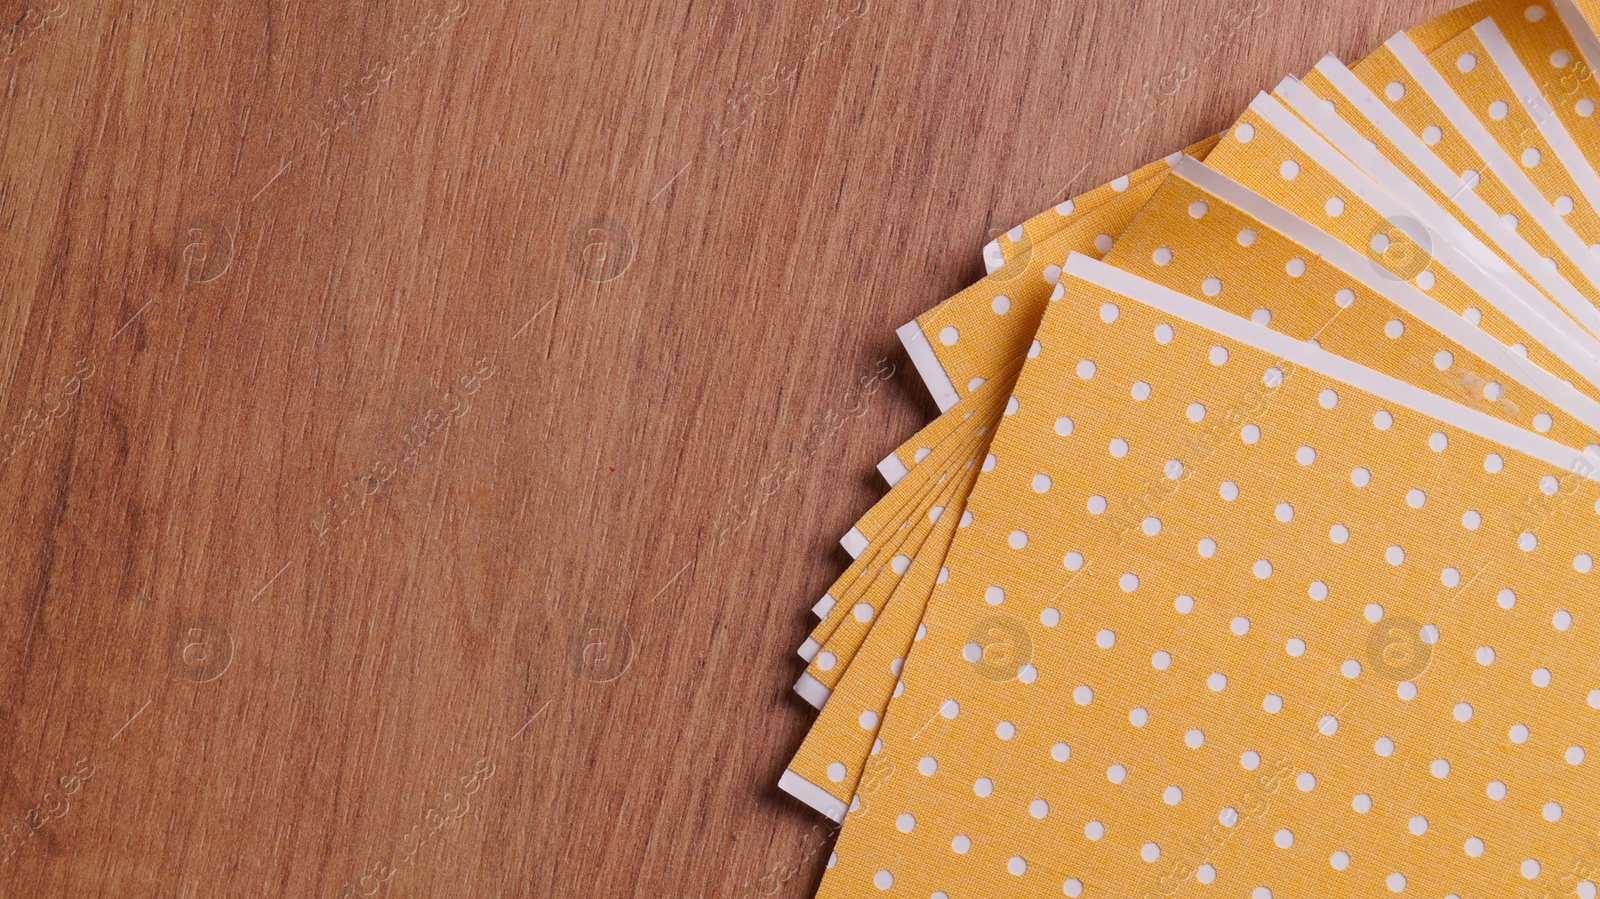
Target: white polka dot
1466 62
1042 483
1396 882
1394 328
1431 135
905 823
1061 752
1531 157
961 845
1394 91
1296 267
1229 491
1164 333
1250 433
1162 256
1086 369
1038 808
950 708
1064 426
1001 304
883 880
1082 695
1439 768
1198 208
1072 887
1362 803
1305 455
1017 539
1382 420
983 787
948 335
1094 830
1334 206
1530 868
1289 169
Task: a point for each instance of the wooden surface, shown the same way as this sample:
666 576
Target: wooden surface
385 380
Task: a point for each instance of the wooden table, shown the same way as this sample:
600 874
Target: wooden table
388 372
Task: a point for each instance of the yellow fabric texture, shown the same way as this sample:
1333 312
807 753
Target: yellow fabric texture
895 517
1262 162
1415 107
1273 710
1564 75
1238 263
1405 255
1310 298
835 754
1466 65
974 332
1204 621
1018 240
840 632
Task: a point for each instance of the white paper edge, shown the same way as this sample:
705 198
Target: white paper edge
854 542
1327 364
808 650
994 258
823 607
812 690
1361 270
927 364
1578 25
1533 102
812 795
1510 292
1381 169
1510 172
892 469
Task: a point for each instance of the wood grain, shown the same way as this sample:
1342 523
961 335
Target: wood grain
390 372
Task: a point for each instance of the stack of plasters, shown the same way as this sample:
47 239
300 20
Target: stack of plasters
1252 555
